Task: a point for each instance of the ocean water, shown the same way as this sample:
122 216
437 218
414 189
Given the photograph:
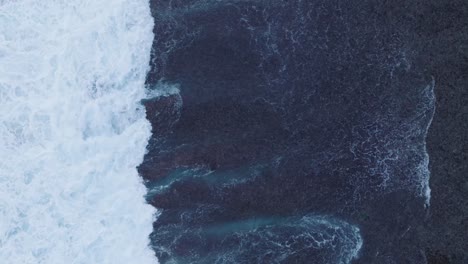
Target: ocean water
306 239
72 131
281 132
288 110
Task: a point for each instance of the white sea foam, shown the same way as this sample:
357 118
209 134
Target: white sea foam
423 168
72 131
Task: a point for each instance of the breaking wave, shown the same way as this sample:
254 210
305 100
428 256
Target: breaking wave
73 130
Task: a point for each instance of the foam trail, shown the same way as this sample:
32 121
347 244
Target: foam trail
72 131
423 168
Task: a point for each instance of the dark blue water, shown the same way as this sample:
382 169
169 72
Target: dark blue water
298 134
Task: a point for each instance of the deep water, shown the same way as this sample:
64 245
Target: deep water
288 132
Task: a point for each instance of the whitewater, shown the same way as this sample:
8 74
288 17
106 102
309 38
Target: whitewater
72 131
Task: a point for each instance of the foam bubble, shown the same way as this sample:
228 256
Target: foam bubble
72 131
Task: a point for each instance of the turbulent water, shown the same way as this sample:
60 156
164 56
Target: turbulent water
72 131
280 132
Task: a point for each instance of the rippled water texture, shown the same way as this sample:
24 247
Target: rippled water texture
288 110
